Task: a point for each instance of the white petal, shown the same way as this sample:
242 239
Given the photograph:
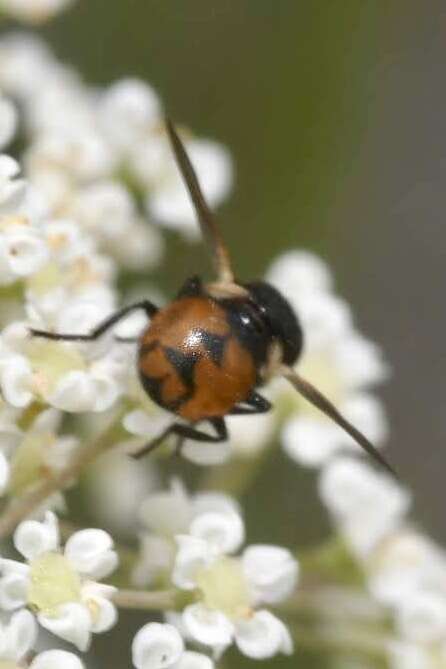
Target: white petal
14 584
360 361
310 442
421 617
250 434
56 659
75 392
167 512
300 271
206 454
205 502
144 424
15 378
26 253
19 636
207 626
72 623
263 636
193 554
32 538
272 572
4 473
106 391
156 646
224 532
356 495
91 552
8 122
96 596
192 660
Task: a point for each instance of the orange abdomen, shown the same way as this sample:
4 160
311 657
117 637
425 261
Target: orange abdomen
191 363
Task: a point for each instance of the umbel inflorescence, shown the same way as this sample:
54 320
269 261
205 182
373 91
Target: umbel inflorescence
85 203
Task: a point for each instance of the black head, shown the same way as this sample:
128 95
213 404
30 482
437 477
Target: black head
279 318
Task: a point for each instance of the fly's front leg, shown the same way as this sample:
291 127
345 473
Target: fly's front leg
100 329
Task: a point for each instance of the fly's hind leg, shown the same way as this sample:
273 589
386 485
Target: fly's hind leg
187 432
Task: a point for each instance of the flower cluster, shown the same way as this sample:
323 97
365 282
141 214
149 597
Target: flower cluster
404 570
84 207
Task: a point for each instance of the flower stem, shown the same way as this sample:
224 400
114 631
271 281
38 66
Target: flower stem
19 509
160 600
343 639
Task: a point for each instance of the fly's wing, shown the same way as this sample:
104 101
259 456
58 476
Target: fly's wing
318 400
220 254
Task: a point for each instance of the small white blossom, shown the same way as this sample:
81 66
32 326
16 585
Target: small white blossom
56 659
232 589
168 513
128 111
57 585
406 563
157 646
356 495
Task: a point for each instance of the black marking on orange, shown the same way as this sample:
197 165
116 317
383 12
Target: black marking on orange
183 364
214 345
153 387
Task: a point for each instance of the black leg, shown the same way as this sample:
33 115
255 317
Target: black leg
254 404
187 432
99 330
127 340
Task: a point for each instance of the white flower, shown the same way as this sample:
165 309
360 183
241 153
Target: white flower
129 109
8 121
56 585
232 588
298 272
56 659
57 372
33 11
166 514
406 563
157 646
356 496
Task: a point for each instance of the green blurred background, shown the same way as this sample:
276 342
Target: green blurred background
334 111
